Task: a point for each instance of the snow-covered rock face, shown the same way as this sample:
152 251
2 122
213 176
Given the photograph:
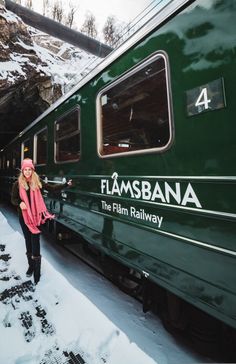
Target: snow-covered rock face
35 70
26 88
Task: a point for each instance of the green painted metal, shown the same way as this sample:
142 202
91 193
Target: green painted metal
183 239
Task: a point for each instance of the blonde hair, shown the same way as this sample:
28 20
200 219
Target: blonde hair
34 181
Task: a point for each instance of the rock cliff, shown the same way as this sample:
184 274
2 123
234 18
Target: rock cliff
26 89
35 70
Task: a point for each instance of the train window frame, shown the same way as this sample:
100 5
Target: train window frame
125 76
76 109
35 145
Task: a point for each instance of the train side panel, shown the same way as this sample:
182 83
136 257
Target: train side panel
167 211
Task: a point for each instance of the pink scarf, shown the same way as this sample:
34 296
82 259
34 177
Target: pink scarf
36 212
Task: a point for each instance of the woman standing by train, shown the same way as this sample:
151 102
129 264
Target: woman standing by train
26 195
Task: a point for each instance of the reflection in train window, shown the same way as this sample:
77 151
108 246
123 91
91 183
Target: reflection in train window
134 110
40 145
26 149
8 161
13 162
67 137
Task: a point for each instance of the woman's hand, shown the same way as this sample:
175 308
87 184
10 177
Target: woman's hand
23 206
69 183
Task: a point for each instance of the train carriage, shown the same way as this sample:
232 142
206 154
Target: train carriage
148 139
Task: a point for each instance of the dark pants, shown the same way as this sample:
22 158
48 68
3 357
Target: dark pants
32 241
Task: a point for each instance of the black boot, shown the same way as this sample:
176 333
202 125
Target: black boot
37 269
30 270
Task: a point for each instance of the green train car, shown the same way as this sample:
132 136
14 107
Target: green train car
148 138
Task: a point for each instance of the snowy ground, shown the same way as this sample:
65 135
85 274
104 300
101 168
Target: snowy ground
73 311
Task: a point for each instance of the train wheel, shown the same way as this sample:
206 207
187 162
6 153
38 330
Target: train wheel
127 279
205 332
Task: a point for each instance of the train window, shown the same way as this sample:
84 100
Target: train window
40 145
26 149
67 137
7 160
134 111
3 162
16 157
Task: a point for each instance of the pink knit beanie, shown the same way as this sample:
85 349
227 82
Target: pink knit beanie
27 163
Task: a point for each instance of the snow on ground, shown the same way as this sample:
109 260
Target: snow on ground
75 310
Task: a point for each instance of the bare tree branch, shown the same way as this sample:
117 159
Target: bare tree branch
89 26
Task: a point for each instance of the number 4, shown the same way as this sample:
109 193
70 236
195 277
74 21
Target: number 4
202 99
